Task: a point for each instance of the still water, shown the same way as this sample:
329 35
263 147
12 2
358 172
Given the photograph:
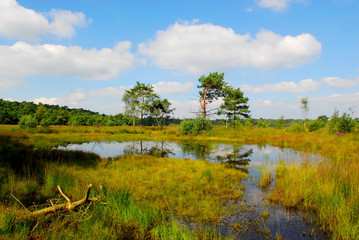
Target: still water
253 159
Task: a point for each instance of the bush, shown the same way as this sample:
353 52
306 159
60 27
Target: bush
344 124
262 123
296 127
28 121
249 122
315 125
195 126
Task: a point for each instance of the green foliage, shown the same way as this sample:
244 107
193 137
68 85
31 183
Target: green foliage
315 125
234 104
160 108
249 122
262 123
195 126
211 89
28 121
281 122
344 124
296 127
138 100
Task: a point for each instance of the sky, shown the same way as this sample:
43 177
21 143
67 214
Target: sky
86 53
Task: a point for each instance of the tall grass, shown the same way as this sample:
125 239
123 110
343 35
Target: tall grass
148 197
192 190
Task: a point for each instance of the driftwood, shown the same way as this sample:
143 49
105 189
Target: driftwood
65 206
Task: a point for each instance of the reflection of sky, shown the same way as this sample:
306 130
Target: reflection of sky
262 156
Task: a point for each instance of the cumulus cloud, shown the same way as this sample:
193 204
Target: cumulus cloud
172 87
22 59
306 85
73 100
109 92
337 82
198 48
348 99
277 5
17 22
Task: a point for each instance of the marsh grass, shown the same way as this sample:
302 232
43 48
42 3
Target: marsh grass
161 188
148 197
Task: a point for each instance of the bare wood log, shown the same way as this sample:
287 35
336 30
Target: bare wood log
69 205
65 206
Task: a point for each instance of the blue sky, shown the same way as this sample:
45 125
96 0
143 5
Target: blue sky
85 53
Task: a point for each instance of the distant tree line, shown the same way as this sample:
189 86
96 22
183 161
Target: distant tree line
29 113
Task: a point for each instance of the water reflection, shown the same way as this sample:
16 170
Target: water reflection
249 158
232 155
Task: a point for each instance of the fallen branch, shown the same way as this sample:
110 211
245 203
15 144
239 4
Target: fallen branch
65 206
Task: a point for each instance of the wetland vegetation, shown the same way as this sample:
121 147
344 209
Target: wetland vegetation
153 197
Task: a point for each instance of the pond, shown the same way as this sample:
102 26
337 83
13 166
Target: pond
253 159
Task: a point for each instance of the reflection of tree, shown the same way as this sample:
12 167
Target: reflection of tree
198 150
152 148
236 159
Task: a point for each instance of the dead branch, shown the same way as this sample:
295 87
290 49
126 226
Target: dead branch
64 206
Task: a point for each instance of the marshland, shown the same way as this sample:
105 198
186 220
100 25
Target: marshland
284 185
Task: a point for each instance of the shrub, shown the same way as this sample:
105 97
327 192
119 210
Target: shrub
262 123
249 122
296 127
344 124
28 121
195 126
315 125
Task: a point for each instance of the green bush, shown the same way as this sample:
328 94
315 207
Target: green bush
28 121
296 127
249 122
315 125
195 126
262 123
344 124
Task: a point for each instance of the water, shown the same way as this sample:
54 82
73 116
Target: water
288 224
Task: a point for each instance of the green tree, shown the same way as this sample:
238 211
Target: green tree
138 100
211 89
159 108
40 112
234 104
305 106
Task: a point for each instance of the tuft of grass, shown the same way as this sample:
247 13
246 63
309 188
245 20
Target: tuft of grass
265 179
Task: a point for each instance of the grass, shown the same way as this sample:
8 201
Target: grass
265 179
164 189
148 197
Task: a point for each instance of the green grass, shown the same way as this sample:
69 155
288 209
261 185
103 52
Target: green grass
160 190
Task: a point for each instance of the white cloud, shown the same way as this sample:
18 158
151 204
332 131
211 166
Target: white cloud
17 22
73 100
337 82
334 99
277 5
109 92
306 85
172 87
200 48
22 59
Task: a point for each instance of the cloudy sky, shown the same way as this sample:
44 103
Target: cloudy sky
86 53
